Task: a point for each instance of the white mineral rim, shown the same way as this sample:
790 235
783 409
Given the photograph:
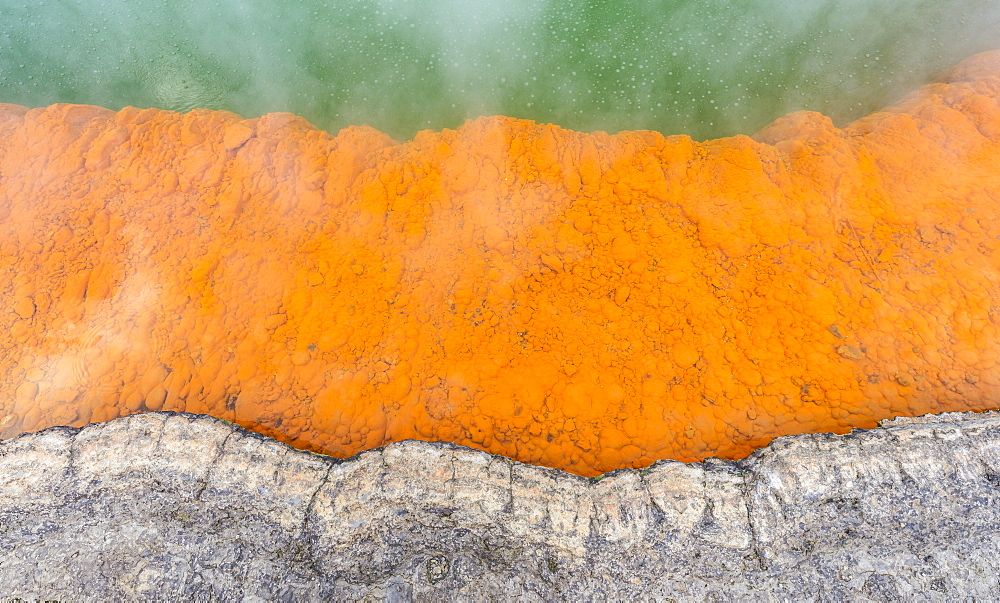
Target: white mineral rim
174 506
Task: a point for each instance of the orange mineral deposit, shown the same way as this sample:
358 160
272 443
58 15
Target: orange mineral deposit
582 301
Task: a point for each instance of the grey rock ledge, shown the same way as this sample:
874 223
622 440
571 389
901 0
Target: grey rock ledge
166 506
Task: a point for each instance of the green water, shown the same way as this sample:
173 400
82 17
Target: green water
705 68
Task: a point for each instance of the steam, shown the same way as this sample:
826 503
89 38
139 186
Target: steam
99 335
704 68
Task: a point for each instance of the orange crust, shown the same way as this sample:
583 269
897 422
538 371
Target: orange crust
582 301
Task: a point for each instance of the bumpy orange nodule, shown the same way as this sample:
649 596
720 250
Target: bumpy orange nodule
583 301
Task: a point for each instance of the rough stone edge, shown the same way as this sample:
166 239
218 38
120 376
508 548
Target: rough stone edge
885 426
719 507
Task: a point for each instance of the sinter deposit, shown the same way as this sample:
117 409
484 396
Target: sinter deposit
180 508
582 301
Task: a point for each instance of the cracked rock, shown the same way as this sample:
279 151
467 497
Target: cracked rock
179 506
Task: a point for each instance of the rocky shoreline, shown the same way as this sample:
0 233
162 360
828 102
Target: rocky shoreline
178 506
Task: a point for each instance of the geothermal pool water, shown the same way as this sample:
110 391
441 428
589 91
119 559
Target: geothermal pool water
704 68
583 301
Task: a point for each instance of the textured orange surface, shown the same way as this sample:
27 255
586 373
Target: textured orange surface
583 301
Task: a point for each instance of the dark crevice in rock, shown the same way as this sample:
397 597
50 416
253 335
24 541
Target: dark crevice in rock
747 493
213 462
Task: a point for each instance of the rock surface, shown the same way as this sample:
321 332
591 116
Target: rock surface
178 506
